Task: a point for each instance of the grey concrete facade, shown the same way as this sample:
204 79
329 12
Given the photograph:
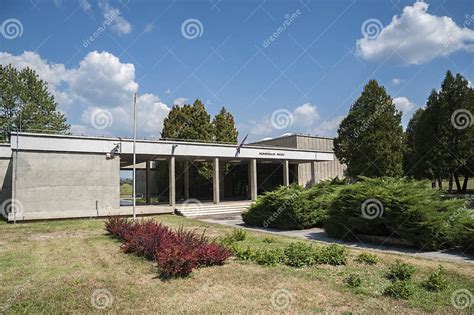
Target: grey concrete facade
55 185
58 176
317 170
6 166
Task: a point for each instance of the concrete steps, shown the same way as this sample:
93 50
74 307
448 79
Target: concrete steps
194 210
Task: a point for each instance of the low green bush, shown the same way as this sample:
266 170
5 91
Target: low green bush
399 290
293 207
246 254
268 240
408 209
331 255
400 271
236 235
436 281
463 232
353 281
268 257
299 254
367 258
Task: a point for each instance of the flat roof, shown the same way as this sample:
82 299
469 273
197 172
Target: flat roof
160 148
293 135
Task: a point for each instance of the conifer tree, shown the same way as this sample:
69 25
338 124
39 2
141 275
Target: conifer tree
370 139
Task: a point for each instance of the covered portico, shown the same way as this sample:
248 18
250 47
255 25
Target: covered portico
249 157
64 176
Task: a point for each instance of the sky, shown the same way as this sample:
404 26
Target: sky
278 66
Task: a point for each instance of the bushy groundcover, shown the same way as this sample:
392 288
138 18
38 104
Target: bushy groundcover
293 207
176 252
400 208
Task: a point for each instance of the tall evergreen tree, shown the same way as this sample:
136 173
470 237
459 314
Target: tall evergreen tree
188 122
444 137
411 165
370 139
26 103
224 127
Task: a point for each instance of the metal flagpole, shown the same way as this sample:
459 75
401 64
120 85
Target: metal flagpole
134 154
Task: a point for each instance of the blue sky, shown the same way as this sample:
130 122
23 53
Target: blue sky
96 54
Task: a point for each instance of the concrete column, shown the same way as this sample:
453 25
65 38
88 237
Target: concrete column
147 182
186 180
221 180
172 180
253 179
313 173
286 173
215 181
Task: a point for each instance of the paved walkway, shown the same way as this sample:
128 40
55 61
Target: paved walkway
319 234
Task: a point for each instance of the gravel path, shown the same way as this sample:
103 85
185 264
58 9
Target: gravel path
318 234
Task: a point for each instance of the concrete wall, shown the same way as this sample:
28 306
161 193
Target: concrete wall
324 169
64 185
5 183
285 142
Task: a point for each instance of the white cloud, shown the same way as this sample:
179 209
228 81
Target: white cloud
180 101
118 23
283 120
328 128
149 28
85 5
101 83
404 104
396 81
305 115
416 37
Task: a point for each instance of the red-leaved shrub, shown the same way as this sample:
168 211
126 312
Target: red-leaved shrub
118 226
176 253
212 254
176 261
144 238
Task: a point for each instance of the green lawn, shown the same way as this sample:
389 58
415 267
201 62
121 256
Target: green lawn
126 189
57 266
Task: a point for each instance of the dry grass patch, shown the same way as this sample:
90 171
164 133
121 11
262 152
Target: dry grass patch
55 267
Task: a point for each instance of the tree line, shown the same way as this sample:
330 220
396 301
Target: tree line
26 104
438 143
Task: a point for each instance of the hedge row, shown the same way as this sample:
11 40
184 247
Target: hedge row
402 208
176 252
293 207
